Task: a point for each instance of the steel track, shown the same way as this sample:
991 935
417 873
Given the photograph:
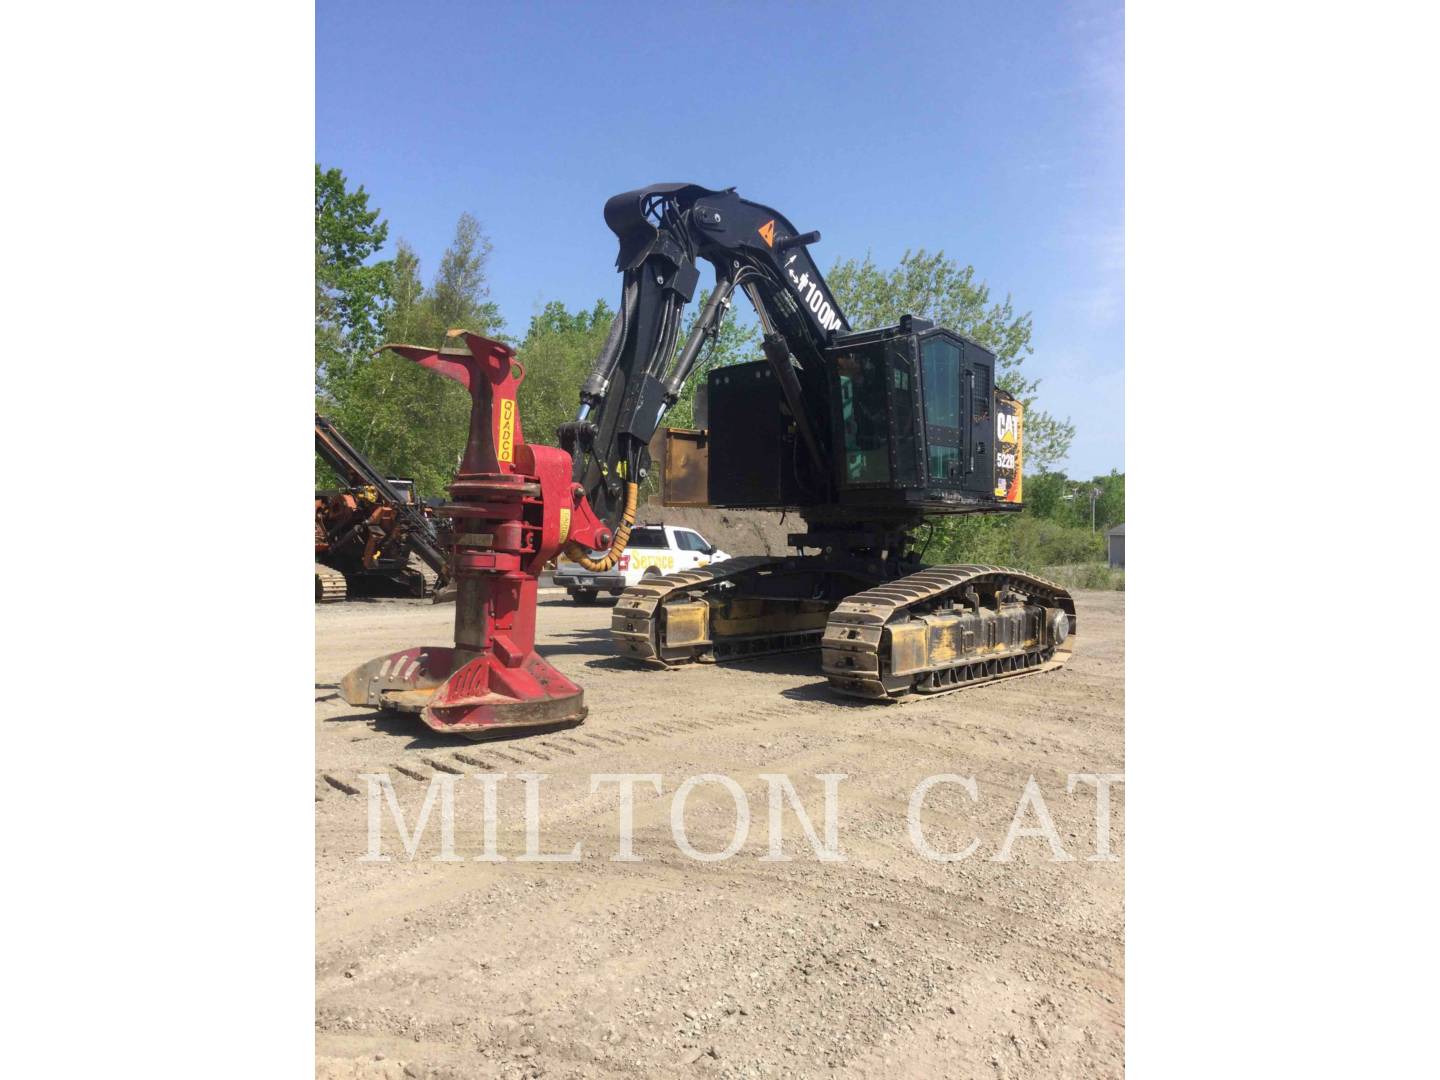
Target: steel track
428 578
331 584
635 620
853 653
854 649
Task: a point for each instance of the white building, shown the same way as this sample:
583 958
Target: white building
1115 541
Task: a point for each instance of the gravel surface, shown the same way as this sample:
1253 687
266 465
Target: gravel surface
884 963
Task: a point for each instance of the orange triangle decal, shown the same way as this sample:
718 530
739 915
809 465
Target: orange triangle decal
767 233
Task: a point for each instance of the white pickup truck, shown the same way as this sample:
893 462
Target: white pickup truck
653 549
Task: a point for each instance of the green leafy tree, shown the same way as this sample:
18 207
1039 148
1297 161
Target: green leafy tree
1056 497
968 538
1045 494
409 319
557 352
351 292
1109 497
460 296
932 286
1110 508
406 420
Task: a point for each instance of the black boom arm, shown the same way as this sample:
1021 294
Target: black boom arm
664 231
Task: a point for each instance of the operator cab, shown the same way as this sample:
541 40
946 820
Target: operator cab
913 406
404 487
915 425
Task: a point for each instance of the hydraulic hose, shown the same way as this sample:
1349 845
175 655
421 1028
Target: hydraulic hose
576 553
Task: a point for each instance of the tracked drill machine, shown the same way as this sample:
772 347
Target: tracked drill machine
863 434
370 536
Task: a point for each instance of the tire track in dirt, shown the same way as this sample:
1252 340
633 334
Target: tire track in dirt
885 963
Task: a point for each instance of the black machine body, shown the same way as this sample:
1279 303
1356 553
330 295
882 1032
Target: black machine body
876 428
907 427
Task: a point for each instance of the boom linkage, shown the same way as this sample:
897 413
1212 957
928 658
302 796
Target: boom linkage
664 231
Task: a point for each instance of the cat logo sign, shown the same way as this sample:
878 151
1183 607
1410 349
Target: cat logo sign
767 233
1009 434
1008 427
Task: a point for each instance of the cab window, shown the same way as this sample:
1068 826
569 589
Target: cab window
690 541
941 360
648 536
940 369
862 413
902 397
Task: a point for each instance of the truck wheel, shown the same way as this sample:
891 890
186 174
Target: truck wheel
583 596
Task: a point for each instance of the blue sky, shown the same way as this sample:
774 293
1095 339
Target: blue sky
992 130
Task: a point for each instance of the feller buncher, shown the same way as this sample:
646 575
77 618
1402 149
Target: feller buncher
863 434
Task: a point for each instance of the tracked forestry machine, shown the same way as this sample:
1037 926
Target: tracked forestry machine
371 536
862 434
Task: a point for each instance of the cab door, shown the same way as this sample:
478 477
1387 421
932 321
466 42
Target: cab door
940 367
958 386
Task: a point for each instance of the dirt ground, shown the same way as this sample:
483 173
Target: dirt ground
885 963
737 532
